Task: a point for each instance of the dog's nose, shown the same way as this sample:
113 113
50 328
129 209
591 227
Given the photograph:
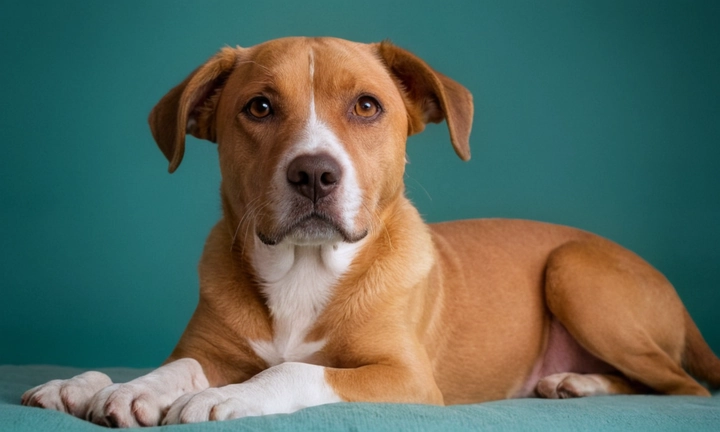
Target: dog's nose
314 176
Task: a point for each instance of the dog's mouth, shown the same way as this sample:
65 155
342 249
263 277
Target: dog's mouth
313 228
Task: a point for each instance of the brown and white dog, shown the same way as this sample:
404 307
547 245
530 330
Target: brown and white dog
322 284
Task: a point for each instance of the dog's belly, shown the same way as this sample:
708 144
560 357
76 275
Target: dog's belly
563 354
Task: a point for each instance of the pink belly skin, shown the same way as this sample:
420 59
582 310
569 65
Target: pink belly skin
563 354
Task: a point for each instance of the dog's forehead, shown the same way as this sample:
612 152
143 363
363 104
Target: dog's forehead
328 63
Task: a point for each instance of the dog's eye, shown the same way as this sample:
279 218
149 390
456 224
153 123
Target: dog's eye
366 107
259 107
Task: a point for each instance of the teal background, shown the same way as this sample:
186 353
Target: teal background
601 115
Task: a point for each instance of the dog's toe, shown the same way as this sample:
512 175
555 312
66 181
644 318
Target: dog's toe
547 387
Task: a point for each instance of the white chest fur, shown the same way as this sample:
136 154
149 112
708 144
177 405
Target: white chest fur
297 282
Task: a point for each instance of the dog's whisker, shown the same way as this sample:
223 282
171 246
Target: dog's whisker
419 184
256 212
373 226
248 210
249 218
250 222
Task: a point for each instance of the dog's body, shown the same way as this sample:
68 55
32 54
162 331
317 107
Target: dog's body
321 283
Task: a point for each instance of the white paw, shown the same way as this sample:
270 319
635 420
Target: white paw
216 404
128 405
285 388
547 387
145 400
71 396
571 385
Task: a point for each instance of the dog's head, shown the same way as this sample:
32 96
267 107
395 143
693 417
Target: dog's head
311 132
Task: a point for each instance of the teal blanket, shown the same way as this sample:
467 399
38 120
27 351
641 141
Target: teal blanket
621 413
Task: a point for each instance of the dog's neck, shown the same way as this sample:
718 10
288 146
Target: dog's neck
297 281
288 270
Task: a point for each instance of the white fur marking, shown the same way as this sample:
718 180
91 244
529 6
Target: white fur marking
312 67
297 281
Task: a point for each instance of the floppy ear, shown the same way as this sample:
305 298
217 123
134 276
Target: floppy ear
190 107
430 96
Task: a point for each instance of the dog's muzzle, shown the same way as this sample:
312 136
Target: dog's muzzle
314 180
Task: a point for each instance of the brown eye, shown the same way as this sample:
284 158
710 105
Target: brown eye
366 107
259 107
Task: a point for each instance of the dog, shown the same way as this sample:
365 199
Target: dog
321 283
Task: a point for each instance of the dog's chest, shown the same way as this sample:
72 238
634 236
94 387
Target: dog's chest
297 282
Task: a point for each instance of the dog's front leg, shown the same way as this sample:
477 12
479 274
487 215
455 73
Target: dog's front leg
284 388
144 400
290 386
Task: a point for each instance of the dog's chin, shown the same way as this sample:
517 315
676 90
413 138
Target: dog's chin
312 230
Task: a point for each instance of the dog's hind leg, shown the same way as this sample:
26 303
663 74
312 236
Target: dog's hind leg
622 311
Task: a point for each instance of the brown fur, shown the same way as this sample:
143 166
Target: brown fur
449 313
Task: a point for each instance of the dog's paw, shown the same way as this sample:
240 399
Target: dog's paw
145 400
224 403
572 385
548 387
128 405
72 395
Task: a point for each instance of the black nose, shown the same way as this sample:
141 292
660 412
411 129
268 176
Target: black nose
314 176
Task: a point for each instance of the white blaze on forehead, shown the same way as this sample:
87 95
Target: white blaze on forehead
312 68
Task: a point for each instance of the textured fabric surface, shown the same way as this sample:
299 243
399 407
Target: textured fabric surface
620 413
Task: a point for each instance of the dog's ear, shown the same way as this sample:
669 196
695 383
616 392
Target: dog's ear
190 107
430 96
